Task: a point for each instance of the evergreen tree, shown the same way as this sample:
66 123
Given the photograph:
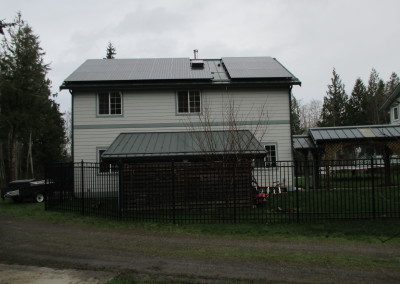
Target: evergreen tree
391 84
295 117
31 127
376 97
334 107
111 52
357 106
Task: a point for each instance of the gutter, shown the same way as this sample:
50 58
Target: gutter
162 85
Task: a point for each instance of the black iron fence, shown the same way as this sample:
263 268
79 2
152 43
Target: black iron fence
228 192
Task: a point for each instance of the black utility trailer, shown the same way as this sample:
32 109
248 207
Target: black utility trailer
20 190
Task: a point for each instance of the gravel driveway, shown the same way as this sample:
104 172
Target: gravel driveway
111 250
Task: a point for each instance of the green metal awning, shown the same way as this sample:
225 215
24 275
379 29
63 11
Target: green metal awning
351 133
161 146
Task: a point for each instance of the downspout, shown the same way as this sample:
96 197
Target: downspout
290 120
72 125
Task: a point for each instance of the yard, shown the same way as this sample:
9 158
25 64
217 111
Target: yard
288 207
330 252
225 193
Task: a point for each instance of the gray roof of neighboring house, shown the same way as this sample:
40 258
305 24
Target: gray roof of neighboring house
318 137
395 95
182 145
265 70
371 132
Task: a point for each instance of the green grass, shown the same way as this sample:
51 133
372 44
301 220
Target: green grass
348 179
147 278
291 207
370 231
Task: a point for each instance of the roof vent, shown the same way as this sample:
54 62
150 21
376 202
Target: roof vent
196 63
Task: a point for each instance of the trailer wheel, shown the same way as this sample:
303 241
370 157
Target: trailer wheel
39 197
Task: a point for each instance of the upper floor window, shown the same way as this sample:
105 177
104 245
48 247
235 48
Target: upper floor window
396 113
109 103
189 101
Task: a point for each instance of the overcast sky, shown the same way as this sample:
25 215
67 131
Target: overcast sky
309 38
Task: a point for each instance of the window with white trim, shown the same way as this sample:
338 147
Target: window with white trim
270 157
189 102
396 113
105 167
109 103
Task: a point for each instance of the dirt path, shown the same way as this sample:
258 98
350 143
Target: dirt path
69 246
23 274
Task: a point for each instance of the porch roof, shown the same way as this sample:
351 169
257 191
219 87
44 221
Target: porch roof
158 146
351 133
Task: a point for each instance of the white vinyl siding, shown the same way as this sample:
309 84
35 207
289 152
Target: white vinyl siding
146 111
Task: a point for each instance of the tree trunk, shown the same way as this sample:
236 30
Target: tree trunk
29 160
13 156
2 167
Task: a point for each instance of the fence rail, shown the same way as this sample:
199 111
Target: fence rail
301 191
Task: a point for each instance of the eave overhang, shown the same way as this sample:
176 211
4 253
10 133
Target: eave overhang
155 85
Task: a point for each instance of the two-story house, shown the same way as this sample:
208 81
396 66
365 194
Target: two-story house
113 96
392 104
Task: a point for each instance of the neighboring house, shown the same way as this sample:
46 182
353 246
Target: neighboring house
393 105
113 96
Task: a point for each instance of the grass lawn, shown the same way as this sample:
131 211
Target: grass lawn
370 231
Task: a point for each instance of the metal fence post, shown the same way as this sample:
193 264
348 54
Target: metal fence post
46 196
296 170
234 192
373 188
120 188
173 192
82 190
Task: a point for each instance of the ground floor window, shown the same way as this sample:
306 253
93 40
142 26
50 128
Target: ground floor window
270 158
105 167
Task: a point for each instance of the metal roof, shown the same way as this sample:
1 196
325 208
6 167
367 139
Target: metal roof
159 72
326 134
302 142
391 98
255 67
138 70
182 145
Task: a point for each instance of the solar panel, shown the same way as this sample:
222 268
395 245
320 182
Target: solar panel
255 67
137 69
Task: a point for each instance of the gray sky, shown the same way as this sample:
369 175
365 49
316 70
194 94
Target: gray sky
309 38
